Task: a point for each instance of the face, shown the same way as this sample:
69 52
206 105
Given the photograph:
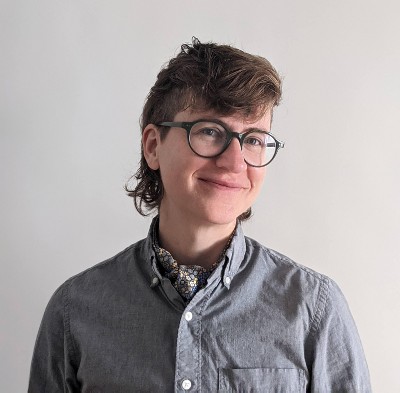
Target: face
206 190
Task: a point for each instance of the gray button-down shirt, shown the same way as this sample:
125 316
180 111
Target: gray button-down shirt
262 324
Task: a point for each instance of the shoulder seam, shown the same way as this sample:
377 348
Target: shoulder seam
322 299
67 325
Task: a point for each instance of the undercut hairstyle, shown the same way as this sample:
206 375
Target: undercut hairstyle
202 77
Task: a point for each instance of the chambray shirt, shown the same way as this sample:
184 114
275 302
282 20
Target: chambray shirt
261 324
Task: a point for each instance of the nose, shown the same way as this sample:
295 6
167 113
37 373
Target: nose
232 158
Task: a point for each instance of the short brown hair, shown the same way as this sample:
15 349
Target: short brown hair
203 76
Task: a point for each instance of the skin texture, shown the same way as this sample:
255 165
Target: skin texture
203 196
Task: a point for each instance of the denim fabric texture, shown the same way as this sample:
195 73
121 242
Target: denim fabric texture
261 324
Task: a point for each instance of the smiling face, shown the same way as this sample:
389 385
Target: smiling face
204 190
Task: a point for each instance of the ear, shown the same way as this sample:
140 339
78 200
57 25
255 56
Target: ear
150 142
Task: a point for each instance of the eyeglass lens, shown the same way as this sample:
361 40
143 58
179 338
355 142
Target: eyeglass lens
209 139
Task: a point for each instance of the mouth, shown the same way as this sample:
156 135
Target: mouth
222 184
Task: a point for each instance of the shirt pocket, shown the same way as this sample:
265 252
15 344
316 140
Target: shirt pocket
254 380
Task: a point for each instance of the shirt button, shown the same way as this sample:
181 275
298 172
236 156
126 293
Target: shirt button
227 280
186 384
188 317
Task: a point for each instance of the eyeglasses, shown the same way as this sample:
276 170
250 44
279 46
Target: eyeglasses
209 139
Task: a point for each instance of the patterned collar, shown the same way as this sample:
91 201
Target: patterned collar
186 279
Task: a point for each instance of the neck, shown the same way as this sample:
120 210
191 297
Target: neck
193 243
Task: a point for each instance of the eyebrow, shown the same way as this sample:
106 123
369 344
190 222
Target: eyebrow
223 124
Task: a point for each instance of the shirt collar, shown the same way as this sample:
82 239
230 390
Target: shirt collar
227 269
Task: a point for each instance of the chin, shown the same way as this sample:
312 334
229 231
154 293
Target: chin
220 216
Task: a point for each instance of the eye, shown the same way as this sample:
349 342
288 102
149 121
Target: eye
210 131
255 140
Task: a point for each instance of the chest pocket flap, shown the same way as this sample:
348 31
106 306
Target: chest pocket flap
252 380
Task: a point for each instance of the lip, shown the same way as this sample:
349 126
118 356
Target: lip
223 184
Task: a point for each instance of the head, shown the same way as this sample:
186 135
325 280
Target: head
204 77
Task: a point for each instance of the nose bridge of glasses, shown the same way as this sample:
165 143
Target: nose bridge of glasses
238 136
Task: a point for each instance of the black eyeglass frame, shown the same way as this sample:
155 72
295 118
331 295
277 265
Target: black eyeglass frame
186 125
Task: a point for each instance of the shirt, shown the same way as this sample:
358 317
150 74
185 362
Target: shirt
262 324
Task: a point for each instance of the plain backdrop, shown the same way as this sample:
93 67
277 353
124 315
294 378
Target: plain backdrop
74 76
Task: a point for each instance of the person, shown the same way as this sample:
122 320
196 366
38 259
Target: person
197 306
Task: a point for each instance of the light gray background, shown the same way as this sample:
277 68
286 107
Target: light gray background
74 75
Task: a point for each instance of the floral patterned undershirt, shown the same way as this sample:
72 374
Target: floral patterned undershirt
186 279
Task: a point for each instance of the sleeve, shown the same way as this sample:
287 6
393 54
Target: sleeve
339 363
52 367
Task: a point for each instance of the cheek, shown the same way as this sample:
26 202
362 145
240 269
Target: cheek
256 176
173 170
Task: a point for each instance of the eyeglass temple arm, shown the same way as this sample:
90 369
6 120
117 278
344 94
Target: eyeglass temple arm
279 143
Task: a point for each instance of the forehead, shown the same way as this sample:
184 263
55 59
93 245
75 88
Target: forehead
235 120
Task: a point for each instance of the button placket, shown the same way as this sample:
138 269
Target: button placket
187 351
